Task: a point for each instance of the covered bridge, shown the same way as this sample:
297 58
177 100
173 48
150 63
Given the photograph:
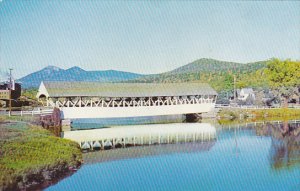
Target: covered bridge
104 100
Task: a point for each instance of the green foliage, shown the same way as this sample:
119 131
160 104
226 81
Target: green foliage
30 93
211 65
241 85
214 73
282 112
228 82
37 151
261 114
283 73
215 79
284 77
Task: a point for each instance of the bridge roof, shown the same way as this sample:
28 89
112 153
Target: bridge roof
89 89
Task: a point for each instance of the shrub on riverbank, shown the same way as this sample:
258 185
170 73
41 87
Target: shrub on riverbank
29 155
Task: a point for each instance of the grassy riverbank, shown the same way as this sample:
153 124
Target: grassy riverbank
31 155
233 113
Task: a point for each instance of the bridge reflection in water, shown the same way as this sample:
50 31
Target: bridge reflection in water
137 135
154 150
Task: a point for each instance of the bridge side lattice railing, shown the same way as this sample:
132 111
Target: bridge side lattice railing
131 102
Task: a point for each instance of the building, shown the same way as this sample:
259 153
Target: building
4 94
15 93
108 100
245 94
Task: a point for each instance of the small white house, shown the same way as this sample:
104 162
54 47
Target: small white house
245 93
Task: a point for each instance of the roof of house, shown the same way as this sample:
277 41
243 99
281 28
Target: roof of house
71 89
247 90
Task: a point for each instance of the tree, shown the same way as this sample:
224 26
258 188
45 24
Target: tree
241 85
228 82
284 77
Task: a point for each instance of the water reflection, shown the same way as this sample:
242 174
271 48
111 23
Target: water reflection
137 135
285 147
108 122
284 152
256 156
147 151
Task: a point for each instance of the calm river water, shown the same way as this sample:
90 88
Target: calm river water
242 157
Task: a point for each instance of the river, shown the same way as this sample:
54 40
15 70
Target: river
240 157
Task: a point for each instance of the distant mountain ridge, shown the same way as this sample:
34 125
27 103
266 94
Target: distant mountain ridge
53 73
194 71
212 65
202 66
218 74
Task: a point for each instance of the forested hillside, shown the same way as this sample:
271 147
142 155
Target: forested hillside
218 74
212 65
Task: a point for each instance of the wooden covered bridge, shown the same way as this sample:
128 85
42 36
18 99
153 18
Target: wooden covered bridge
108 100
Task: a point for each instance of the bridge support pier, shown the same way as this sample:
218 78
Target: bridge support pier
113 144
193 117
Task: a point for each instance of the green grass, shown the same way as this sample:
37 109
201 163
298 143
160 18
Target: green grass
232 116
27 149
282 112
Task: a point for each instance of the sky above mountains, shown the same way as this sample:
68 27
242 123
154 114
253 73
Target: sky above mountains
143 37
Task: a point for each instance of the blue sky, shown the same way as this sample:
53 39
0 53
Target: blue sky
142 36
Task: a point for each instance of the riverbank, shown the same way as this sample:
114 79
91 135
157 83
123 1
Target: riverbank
237 113
31 155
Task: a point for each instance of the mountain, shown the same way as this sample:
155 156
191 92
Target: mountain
52 73
219 74
205 66
212 65
206 70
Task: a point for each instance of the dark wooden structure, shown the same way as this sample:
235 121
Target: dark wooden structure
15 94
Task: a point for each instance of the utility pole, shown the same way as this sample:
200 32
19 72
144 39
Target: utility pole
234 89
10 87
